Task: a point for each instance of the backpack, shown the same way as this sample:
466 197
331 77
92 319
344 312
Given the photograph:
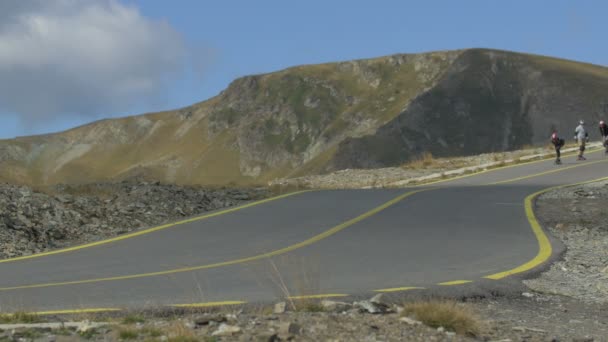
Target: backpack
557 141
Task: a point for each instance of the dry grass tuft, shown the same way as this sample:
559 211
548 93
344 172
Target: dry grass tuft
133 319
282 189
425 161
263 310
447 314
19 317
178 331
128 334
309 305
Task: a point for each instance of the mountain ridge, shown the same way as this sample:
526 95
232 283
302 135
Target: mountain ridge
316 118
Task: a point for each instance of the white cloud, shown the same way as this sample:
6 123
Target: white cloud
82 57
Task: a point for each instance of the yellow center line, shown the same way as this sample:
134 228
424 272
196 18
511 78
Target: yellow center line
249 205
151 230
544 245
547 172
455 282
545 248
299 245
75 311
399 289
304 243
319 296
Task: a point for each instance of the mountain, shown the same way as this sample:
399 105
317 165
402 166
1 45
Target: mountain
317 118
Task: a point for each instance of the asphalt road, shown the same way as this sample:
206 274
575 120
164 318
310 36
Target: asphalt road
343 242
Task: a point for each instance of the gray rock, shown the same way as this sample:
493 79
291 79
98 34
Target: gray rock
409 321
226 330
374 305
373 308
280 307
207 320
330 305
526 329
287 329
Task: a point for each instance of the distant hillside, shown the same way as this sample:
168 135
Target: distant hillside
312 119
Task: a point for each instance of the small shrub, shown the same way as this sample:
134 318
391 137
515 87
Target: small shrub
128 334
178 332
88 334
29 334
152 332
133 319
64 331
309 306
425 161
265 310
447 314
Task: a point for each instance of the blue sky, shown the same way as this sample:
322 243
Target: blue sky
227 39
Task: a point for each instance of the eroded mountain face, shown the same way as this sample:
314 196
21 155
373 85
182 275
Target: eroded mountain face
311 119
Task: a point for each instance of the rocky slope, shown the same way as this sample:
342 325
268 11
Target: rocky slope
577 216
33 222
313 119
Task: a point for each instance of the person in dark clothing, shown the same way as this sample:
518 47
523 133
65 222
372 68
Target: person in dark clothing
558 143
604 134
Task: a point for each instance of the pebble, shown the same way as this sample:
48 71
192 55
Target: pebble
226 330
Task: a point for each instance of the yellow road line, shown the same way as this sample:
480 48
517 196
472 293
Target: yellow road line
500 168
455 282
544 245
548 172
150 230
310 241
319 296
304 243
399 289
209 304
231 210
75 311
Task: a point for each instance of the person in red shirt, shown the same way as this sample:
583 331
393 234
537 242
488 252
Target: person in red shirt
558 143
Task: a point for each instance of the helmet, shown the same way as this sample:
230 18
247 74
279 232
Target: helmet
581 122
602 123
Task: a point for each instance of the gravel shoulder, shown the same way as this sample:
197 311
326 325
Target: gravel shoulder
578 216
425 169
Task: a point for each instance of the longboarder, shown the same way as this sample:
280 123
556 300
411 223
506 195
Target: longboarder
581 136
558 143
604 134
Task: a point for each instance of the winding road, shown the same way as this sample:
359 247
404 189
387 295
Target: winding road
478 227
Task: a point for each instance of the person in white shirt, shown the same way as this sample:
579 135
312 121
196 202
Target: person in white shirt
581 136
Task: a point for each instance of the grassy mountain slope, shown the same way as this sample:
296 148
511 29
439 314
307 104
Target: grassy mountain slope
311 119
488 101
